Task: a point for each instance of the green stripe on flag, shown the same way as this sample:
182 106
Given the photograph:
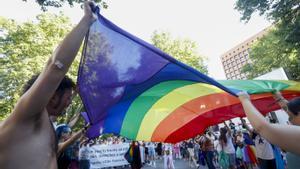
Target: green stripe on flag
255 86
144 102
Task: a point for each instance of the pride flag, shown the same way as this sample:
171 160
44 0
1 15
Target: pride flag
131 88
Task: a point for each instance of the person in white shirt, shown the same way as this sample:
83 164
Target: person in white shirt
84 161
142 152
227 145
286 137
264 150
151 153
168 157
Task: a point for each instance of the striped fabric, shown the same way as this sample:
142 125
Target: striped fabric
133 89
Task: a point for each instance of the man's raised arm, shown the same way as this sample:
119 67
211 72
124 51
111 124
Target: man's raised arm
34 101
286 137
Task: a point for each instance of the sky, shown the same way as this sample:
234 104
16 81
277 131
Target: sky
213 24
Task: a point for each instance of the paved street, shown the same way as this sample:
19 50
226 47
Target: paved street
179 164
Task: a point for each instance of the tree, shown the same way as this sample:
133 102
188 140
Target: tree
281 47
284 13
25 48
184 50
271 52
59 3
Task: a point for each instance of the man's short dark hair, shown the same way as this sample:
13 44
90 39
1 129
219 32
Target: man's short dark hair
294 106
66 83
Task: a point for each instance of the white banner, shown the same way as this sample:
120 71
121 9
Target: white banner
101 156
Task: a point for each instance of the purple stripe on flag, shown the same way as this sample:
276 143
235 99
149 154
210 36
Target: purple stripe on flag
111 62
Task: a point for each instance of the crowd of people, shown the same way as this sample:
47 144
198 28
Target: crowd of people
30 140
233 146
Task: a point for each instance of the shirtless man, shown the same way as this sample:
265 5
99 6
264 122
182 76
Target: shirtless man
27 138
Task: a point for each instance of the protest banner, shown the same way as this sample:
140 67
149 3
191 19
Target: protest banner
101 156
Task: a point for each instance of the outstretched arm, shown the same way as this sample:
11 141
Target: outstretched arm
70 141
246 125
211 131
280 100
74 120
33 102
286 137
228 128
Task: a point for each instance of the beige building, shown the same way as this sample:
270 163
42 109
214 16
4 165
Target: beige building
234 59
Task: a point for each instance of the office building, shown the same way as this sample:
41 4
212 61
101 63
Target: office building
234 59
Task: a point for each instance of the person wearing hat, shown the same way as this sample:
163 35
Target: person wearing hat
66 144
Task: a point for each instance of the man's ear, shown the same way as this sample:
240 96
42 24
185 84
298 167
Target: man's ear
51 104
54 101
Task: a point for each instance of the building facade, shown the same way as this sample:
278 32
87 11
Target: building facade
234 59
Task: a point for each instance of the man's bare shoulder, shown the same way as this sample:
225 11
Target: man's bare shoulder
13 125
12 144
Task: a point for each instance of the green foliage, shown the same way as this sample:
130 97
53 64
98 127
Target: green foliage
184 50
59 3
25 48
280 48
272 52
284 13
74 108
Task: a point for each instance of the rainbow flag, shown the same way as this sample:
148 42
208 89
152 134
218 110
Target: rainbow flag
131 88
